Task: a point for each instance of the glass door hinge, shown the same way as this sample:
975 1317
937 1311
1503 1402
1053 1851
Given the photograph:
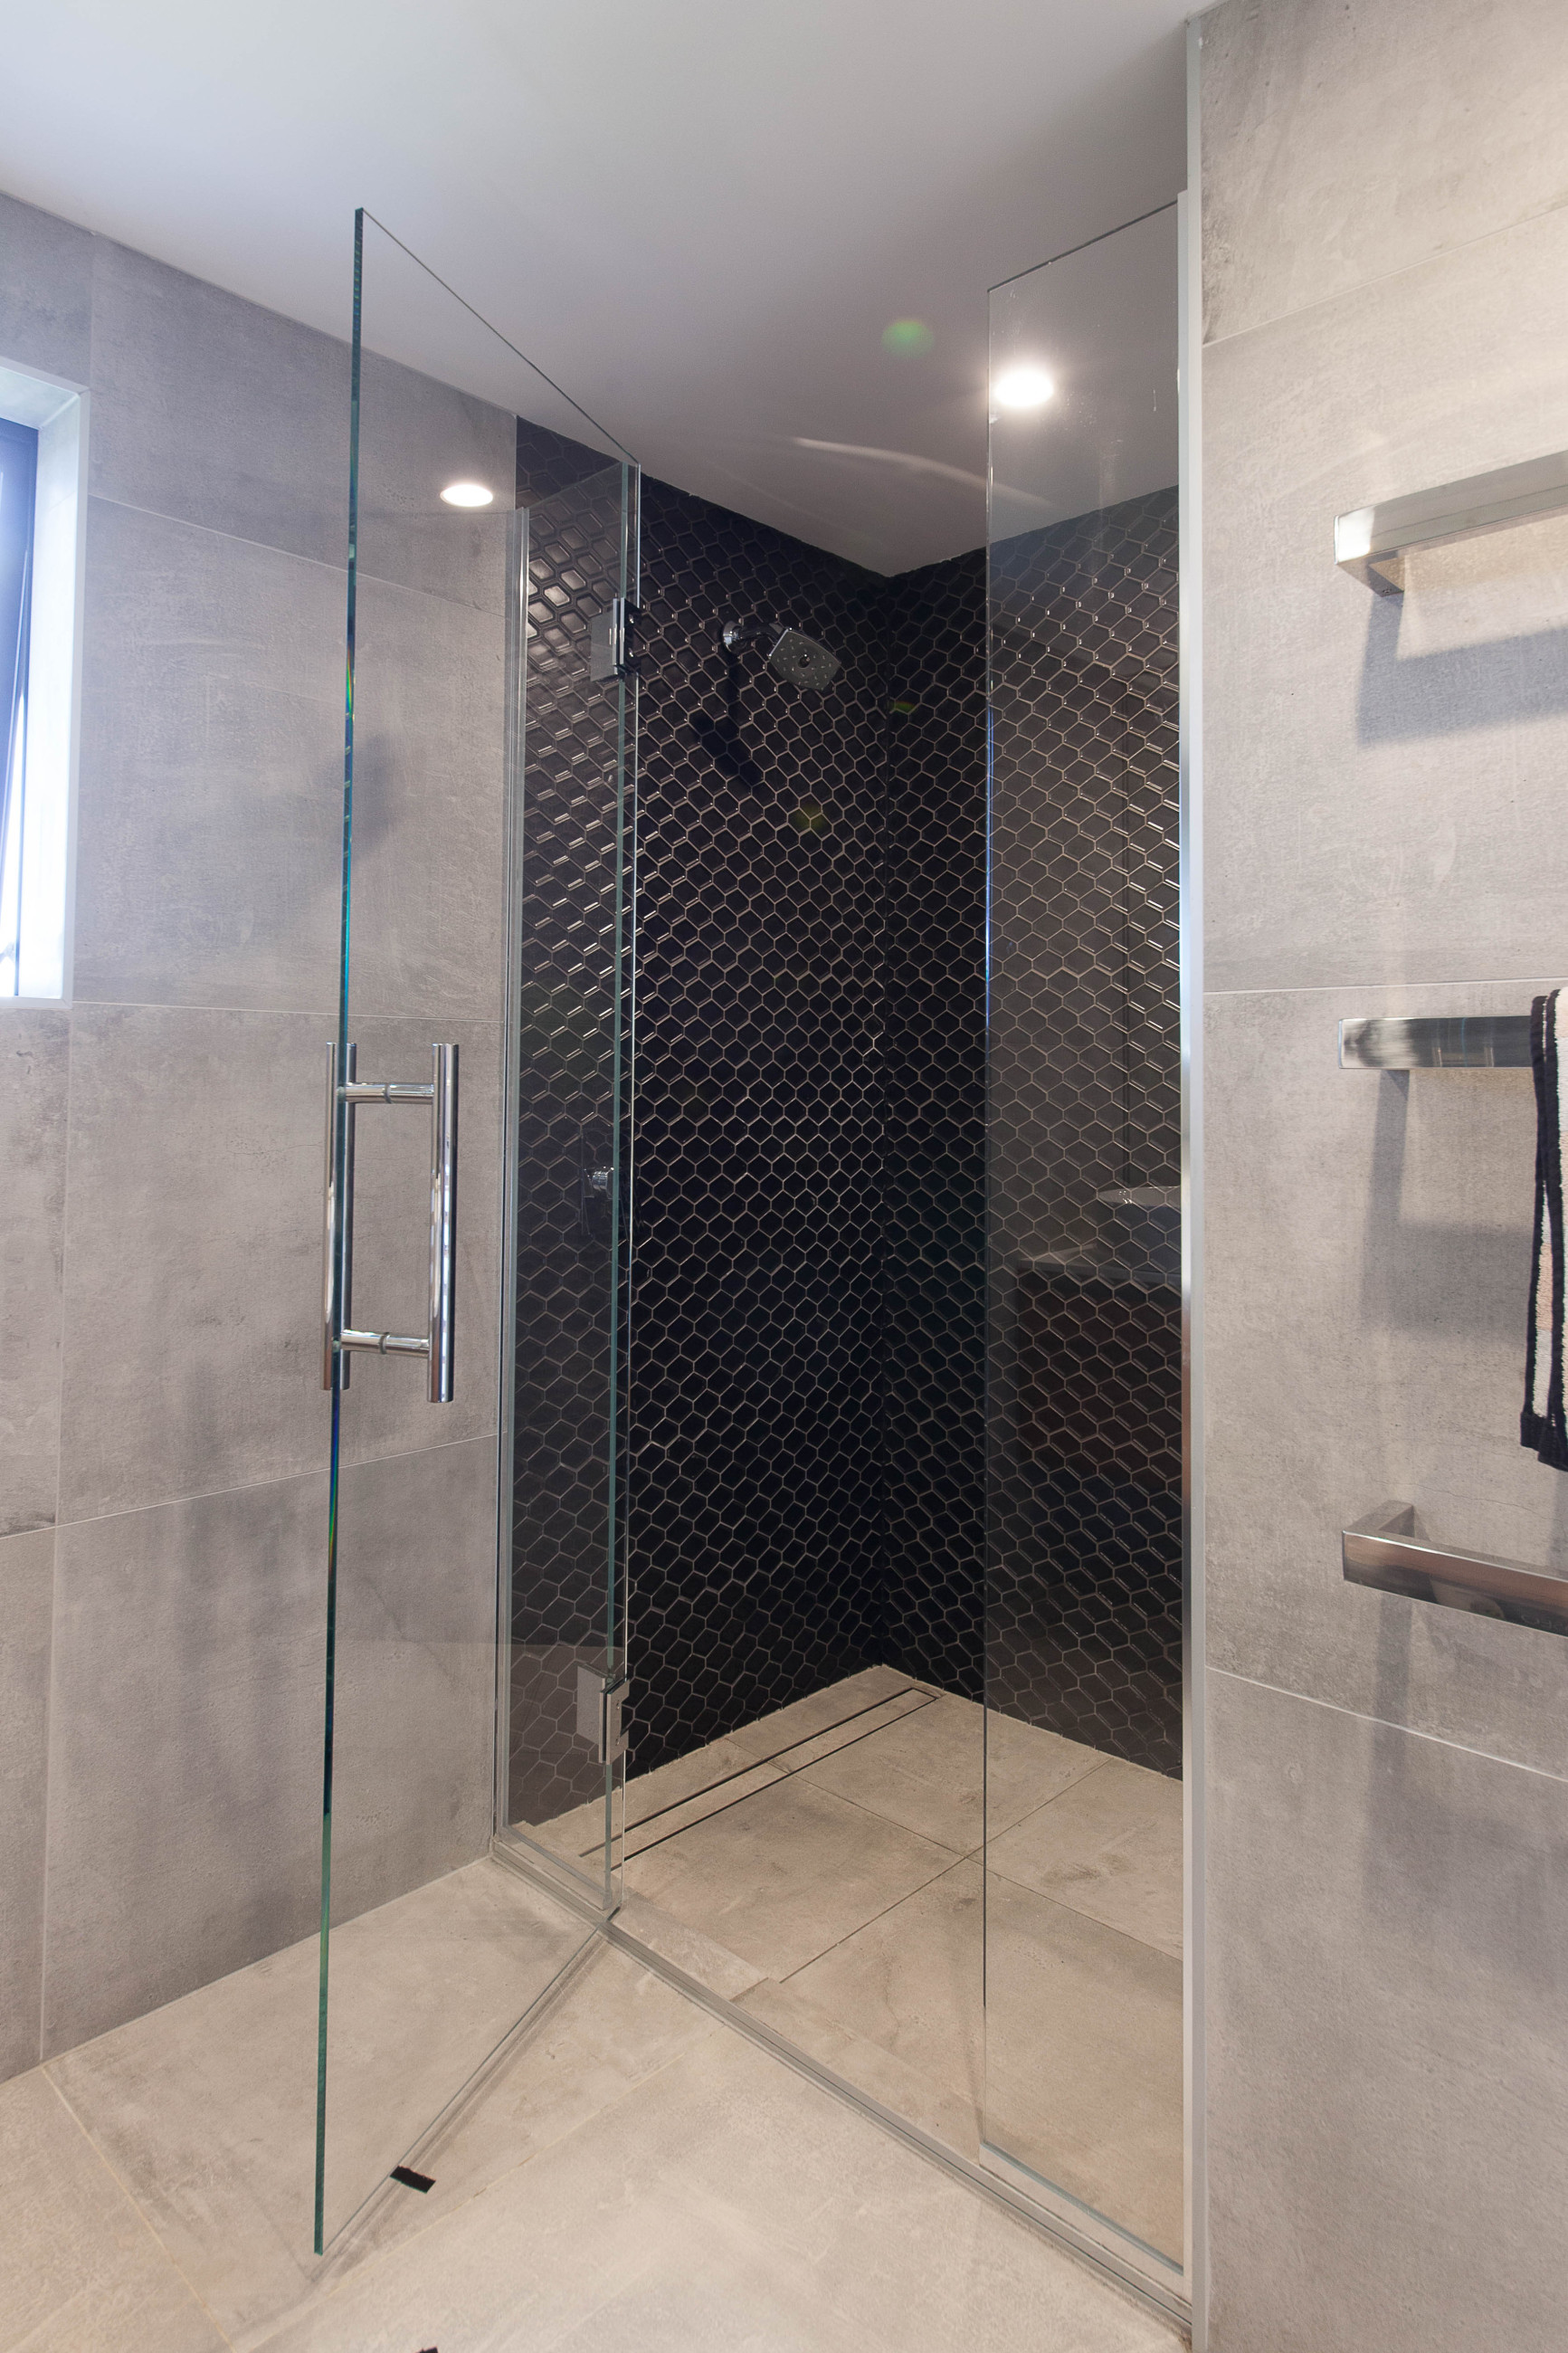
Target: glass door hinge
600 1698
610 640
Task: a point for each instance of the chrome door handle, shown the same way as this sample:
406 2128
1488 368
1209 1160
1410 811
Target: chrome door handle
340 1337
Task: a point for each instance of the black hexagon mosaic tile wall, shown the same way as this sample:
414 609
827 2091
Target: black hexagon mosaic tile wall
1084 1601
807 1448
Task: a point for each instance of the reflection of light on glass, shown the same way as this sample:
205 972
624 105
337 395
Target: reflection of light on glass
907 336
468 494
1023 387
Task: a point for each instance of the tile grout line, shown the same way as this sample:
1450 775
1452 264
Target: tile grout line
1389 1723
282 1479
974 1855
131 2198
1373 284
957 1864
1125 1935
1417 986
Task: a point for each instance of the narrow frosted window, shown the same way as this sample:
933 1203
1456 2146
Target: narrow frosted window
40 466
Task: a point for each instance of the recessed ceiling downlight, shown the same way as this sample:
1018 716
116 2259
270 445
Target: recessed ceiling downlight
468 494
1025 387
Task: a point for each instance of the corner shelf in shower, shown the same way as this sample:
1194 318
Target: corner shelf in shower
1485 1041
1371 542
1387 1552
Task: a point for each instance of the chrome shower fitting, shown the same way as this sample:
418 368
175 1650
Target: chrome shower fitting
795 656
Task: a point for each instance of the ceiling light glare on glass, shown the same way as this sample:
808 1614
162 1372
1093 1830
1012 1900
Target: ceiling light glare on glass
468 494
1023 387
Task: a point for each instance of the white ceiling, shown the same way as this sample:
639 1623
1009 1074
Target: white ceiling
698 215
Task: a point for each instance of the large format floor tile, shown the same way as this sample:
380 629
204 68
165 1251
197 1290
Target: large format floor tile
909 1982
1083 2060
1110 1846
726 2203
1080 2077
81 2272
787 1874
626 2170
206 2108
928 1771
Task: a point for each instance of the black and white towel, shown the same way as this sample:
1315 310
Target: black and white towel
1541 1425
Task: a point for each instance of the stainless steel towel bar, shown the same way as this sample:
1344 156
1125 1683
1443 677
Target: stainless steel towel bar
1372 543
1387 1551
1485 1041
436 1343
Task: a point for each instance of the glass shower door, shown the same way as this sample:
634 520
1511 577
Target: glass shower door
431 1954
1084 1850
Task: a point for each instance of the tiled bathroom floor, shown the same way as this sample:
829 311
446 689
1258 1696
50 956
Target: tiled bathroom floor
630 2172
825 1866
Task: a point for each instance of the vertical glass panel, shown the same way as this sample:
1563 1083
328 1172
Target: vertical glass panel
1083 1883
413 1905
568 1293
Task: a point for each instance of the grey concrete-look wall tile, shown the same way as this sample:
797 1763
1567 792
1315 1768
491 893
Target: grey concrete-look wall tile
414 1682
26 1594
213 410
429 804
1367 1259
185 1748
416 435
210 825
46 291
1324 166
81 2272
191 1326
387 1409
1388 2057
1383 775
34 1070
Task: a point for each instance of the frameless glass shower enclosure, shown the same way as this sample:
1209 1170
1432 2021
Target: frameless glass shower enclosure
471 478
832 1551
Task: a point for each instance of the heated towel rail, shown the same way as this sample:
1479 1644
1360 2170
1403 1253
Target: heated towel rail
1485 1041
1372 543
1387 1552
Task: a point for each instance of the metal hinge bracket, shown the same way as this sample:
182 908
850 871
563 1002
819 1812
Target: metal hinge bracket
600 1698
610 640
